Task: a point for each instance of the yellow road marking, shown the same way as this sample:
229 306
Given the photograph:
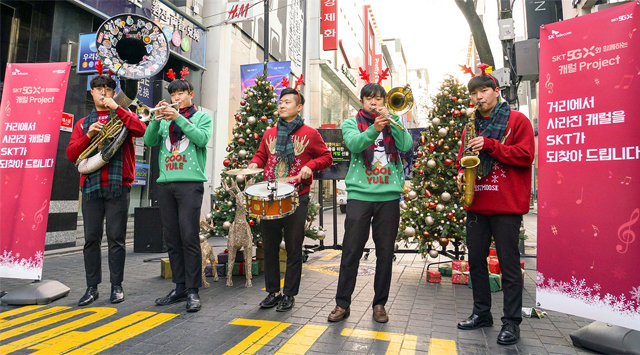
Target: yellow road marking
281 283
267 338
303 339
442 347
330 254
322 268
27 318
398 343
253 340
13 312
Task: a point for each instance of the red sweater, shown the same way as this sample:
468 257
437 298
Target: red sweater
506 190
309 148
79 141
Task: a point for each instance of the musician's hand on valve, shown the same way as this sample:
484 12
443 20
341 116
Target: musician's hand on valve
94 129
162 103
169 113
476 144
380 123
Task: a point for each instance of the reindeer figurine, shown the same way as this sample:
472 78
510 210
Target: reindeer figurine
240 236
207 252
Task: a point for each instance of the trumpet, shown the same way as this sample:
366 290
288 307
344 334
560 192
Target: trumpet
147 114
399 101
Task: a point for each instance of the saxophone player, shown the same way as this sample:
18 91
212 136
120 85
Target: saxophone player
505 142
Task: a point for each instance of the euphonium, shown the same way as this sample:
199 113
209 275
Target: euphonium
469 161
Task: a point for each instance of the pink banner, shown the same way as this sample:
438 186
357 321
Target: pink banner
589 168
32 101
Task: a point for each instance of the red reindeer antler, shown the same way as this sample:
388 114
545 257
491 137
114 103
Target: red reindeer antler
284 82
483 68
171 75
383 75
184 72
99 67
467 70
110 73
364 75
299 82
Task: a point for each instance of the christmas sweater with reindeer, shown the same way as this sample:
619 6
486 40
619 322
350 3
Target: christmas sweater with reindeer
507 189
309 149
385 180
186 159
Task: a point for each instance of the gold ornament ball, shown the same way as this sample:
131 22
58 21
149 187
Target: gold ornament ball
442 132
429 220
445 196
433 253
242 153
260 102
251 120
443 242
409 231
226 225
240 178
439 207
431 164
412 195
435 121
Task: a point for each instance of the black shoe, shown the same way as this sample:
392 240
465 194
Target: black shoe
509 334
89 296
171 298
193 302
271 300
475 321
286 303
117 294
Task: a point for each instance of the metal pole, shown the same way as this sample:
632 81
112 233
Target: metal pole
266 35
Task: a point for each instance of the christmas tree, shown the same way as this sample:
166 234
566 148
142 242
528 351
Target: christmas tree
432 213
258 112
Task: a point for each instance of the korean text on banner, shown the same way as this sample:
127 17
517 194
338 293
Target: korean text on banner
329 24
32 101
589 152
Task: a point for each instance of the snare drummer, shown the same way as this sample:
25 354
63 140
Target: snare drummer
299 151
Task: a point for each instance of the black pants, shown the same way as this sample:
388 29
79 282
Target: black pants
94 211
505 229
292 227
180 204
383 218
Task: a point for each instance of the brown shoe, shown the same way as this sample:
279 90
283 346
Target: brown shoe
379 314
339 314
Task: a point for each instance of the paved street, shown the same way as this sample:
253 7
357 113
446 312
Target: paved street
423 316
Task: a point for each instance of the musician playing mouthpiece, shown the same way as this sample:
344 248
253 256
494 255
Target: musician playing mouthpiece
505 140
105 192
183 135
298 151
375 181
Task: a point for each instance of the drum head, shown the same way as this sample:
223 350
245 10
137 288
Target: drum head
260 189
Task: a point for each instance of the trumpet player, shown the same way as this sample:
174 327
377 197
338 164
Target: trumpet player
505 142
183 135
375 181
105 192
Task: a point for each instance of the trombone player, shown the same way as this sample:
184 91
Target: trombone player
375 181
105 192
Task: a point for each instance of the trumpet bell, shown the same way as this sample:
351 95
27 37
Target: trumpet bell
400 100
470 161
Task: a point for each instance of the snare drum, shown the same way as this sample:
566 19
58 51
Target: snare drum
260 205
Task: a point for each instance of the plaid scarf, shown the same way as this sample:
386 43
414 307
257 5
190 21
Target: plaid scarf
365 119
175 132
494 128
92 187
284 144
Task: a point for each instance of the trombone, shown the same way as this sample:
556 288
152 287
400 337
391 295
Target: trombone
399 101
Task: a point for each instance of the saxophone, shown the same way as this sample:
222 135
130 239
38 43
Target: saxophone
469 161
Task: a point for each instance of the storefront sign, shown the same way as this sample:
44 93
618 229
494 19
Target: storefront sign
239 11
87 54
30 112
348 75
329 24
185 37
142 174
275 72
294 37
376 67
66 124
589 170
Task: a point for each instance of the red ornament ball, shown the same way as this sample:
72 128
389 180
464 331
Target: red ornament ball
263 118
228 149
419 154
449 215
456 113
242 102
454 98
431 146
427 193
226 162
432 205
420 172
256 136
416 165
252 222
448 162
471 104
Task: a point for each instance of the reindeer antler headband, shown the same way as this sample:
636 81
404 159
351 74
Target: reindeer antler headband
183 73
364 75
285 83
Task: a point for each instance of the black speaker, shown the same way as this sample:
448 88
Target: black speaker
147 231
527 53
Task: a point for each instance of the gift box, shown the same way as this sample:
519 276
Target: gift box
493 252
433 276
207 271
495 282
223 258
522 264
459 277
460 265
445 270
494 265
165 268
220 269
238 268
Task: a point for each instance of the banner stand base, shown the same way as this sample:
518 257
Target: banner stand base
37 292
607 339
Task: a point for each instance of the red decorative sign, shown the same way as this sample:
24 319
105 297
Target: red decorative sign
66 124
589 167
329 24
376 67
30 113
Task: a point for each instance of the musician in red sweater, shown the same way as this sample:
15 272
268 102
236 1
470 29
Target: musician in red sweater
105 192
290 151
505 140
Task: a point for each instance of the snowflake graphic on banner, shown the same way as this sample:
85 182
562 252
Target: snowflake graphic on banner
14 264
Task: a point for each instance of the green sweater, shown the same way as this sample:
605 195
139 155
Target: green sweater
188 161
382 183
